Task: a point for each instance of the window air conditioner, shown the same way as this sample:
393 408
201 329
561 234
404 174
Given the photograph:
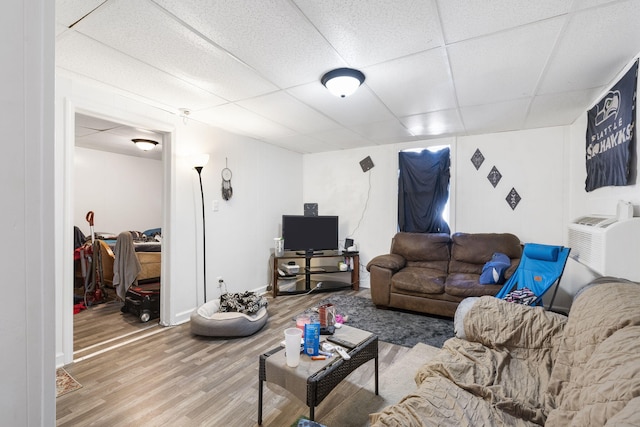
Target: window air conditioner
607 245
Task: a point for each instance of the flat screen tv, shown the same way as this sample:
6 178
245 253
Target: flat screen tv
310 233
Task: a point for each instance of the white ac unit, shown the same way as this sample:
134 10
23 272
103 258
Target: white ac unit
607 245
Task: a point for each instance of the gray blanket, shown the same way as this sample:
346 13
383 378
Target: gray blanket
126 266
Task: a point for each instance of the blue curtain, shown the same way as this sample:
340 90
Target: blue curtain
423 190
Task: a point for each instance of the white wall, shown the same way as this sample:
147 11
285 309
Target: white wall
124 192
530 161
27 388
239 236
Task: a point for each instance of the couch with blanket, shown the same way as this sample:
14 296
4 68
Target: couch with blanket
433 272
517 365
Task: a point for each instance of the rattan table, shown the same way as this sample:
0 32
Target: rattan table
313 380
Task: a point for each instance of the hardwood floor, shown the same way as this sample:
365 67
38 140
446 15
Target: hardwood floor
165 376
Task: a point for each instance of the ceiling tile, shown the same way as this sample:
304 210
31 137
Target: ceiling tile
383 132
463 19
502 66
396 28
342 139
237 119
83 56
162 42
272 36
499 117
446 122
283 108
559 108
594 48
70 11
304 144
426 83
361 107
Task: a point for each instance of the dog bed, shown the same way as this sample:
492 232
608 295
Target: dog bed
209 321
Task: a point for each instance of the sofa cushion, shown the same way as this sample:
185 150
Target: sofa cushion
421 246
418 281
467 285
478 248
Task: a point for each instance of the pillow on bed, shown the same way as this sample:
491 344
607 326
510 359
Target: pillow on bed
153 232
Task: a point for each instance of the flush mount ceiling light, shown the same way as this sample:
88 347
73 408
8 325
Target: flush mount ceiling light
145 144
342 82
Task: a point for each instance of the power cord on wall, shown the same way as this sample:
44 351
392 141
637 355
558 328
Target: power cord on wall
364 210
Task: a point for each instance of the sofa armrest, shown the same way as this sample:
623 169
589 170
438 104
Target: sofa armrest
393 262
496 323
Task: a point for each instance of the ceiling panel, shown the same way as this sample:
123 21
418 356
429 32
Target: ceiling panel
283 108
271 36
436 123
433 67
396 28
595 46
500 117
426 83
113 68
502 66
160 41
464 19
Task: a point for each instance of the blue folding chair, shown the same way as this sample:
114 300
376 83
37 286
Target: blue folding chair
541 266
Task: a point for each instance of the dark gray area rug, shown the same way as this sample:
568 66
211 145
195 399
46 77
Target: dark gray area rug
392 326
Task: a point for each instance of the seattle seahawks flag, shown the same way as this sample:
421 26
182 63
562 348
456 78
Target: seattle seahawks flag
611 135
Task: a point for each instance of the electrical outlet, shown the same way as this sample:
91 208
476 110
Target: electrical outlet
220 281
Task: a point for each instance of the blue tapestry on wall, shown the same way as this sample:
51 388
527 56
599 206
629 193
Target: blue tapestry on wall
611 139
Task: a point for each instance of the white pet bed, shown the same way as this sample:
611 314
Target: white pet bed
207 320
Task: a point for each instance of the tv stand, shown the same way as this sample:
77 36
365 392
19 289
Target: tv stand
309 253
303 279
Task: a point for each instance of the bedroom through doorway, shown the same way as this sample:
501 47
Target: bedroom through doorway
123 186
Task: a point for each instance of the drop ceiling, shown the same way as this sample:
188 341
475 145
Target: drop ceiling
433 67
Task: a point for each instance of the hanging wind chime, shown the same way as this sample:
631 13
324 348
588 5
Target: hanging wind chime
227 191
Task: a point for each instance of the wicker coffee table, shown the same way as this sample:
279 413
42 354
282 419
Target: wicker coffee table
312 380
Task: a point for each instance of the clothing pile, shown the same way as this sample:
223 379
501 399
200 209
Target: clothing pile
521 296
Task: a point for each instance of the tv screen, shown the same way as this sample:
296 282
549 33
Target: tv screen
310 233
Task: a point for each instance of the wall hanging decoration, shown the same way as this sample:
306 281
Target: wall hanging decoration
494 176
611 136
477 159
227 190
513 198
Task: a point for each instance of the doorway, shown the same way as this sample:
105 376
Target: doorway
65 328
121 185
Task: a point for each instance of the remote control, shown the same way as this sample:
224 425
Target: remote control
342 352
341 342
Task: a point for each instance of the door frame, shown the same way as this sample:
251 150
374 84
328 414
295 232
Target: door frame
65 330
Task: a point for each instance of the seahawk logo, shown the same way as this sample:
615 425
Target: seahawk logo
609 108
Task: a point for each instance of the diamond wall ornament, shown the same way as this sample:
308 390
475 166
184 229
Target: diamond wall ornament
513 198
494 176
477 159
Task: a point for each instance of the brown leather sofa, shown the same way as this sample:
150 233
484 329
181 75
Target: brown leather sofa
433 272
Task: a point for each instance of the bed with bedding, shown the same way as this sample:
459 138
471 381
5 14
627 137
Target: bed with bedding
139 259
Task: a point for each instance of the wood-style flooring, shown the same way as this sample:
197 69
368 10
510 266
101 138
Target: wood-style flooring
165 376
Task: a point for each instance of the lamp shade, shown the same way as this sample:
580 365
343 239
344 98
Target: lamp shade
342 82
199 160
145 144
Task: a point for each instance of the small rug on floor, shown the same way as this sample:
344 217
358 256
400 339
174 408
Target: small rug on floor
65 383
392 326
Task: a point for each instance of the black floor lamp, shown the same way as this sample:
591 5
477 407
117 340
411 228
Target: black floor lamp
199 163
